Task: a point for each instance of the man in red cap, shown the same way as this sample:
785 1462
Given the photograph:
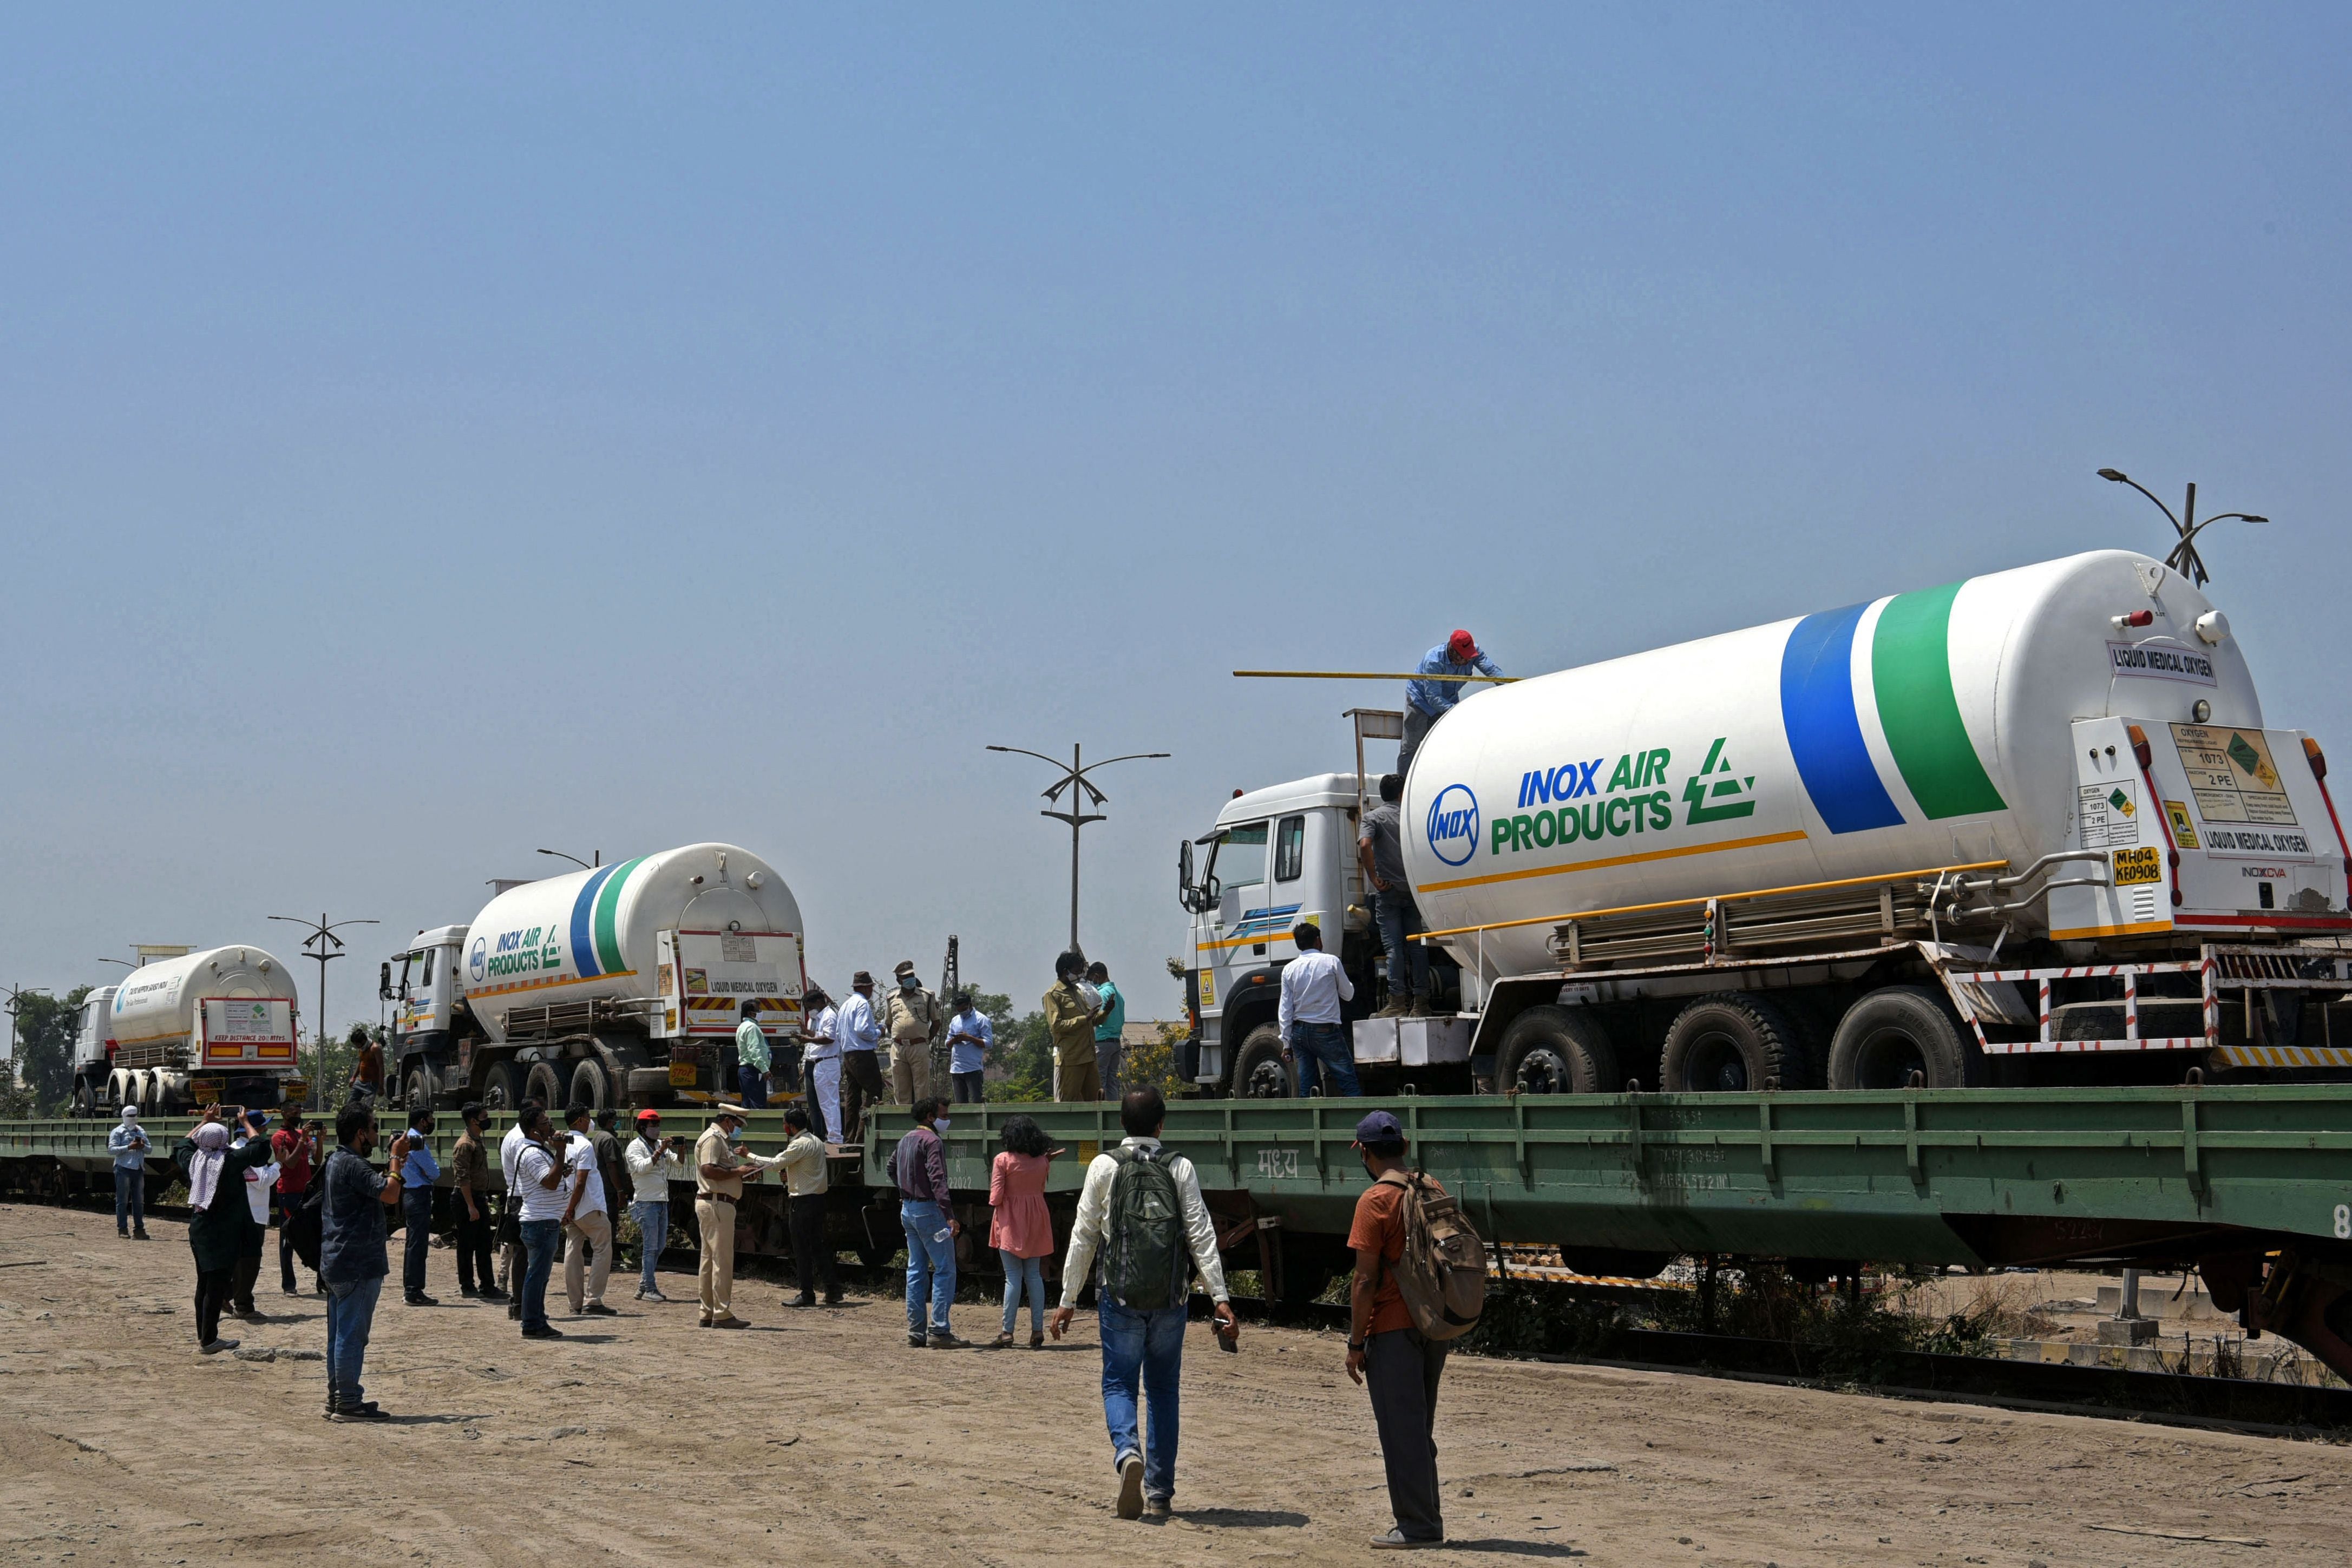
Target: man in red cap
1425 702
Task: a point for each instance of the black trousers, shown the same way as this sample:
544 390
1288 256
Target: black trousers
474 1269
811 1256
969 1087
286 1252
1400 1371
242 1279
861 1082
417 1204
212 1295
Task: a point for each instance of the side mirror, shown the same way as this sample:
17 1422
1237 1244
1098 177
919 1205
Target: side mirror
1184 872
383 982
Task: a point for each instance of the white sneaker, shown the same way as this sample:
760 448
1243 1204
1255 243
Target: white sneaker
652 1296
1131 1487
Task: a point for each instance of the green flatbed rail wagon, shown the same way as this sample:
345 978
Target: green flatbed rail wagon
2250 1183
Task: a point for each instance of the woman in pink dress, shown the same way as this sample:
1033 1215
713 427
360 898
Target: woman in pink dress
1020 1229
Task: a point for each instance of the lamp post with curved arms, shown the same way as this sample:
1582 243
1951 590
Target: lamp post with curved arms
16 1003
1074 773
321 945
2184 558
575 860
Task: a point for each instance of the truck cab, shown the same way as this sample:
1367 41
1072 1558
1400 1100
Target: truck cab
1276 857
93 1060
433 1029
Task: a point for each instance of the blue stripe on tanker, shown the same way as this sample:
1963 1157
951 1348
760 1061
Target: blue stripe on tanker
1825 730
584 908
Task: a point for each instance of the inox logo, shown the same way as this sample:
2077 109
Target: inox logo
1454 824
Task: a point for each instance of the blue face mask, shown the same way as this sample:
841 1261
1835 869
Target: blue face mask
942 1125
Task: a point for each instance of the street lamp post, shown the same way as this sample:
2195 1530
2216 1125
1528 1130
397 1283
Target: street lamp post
1077 816
321 945
2184 558
575 860
16 994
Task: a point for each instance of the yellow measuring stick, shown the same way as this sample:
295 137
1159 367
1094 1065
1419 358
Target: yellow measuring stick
1365 675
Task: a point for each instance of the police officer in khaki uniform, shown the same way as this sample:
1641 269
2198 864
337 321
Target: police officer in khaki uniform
915 1023
720 1170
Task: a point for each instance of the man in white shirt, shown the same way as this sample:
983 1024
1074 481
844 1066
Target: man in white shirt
821 1057
1314 986
858 1036
1142 1339
587 1227
510 1248
538 1178
653 1166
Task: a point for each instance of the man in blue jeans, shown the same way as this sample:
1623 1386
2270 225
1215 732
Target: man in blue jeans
543 1191
418 1174
1314 990
129 1145
353 1261
920 1166
1131 1229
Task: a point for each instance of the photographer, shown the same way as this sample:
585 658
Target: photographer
654 1164
220 1222
352 1255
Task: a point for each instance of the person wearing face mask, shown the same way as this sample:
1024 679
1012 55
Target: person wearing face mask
915 1023
654 1164
418 1174
822 1058
856 1036
219 1222
1071 1018
927 1209
1383 1347
352 1258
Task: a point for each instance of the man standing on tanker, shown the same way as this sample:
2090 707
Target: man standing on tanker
1380 852
1426 702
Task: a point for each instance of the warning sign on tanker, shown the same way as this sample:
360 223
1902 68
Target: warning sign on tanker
2232 776
2109 814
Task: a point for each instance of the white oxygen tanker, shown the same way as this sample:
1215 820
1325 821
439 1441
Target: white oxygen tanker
212 1026
623 981
1879 842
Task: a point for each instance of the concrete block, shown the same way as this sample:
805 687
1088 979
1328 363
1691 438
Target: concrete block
2126 1331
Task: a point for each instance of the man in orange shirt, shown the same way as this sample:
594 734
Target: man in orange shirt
1403 1367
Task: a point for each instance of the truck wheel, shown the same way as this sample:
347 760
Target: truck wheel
418 1091
1729 1042
500 1092
1898 1031
1259 1072
541 1084
591 1086
1555 1051
85 1100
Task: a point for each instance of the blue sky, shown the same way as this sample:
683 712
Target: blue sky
426 438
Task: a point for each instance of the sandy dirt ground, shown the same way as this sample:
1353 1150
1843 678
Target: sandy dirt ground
819 1436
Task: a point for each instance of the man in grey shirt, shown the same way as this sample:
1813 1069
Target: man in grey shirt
1380 853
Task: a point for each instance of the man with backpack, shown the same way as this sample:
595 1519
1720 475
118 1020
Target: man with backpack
1142 1212
1420 1280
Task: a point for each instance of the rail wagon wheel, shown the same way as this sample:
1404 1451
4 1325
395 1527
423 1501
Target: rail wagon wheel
1557 1050
501 1091
1898 1031
541 1084
1259 1072
591 1085
1728 1042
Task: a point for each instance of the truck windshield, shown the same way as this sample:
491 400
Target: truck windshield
417 972
1238 858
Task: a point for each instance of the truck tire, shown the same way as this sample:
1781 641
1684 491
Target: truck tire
418 1090
1555 1051
1728 1043
591 1085
541 1084
501 1087
1897 1031
1259 1072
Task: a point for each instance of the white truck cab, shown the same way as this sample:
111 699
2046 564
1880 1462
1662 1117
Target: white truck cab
1276 856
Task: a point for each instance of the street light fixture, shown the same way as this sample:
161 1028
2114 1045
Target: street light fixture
575 860
322 945
1074 773
2184 558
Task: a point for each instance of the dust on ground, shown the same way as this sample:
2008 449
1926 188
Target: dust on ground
821 1437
